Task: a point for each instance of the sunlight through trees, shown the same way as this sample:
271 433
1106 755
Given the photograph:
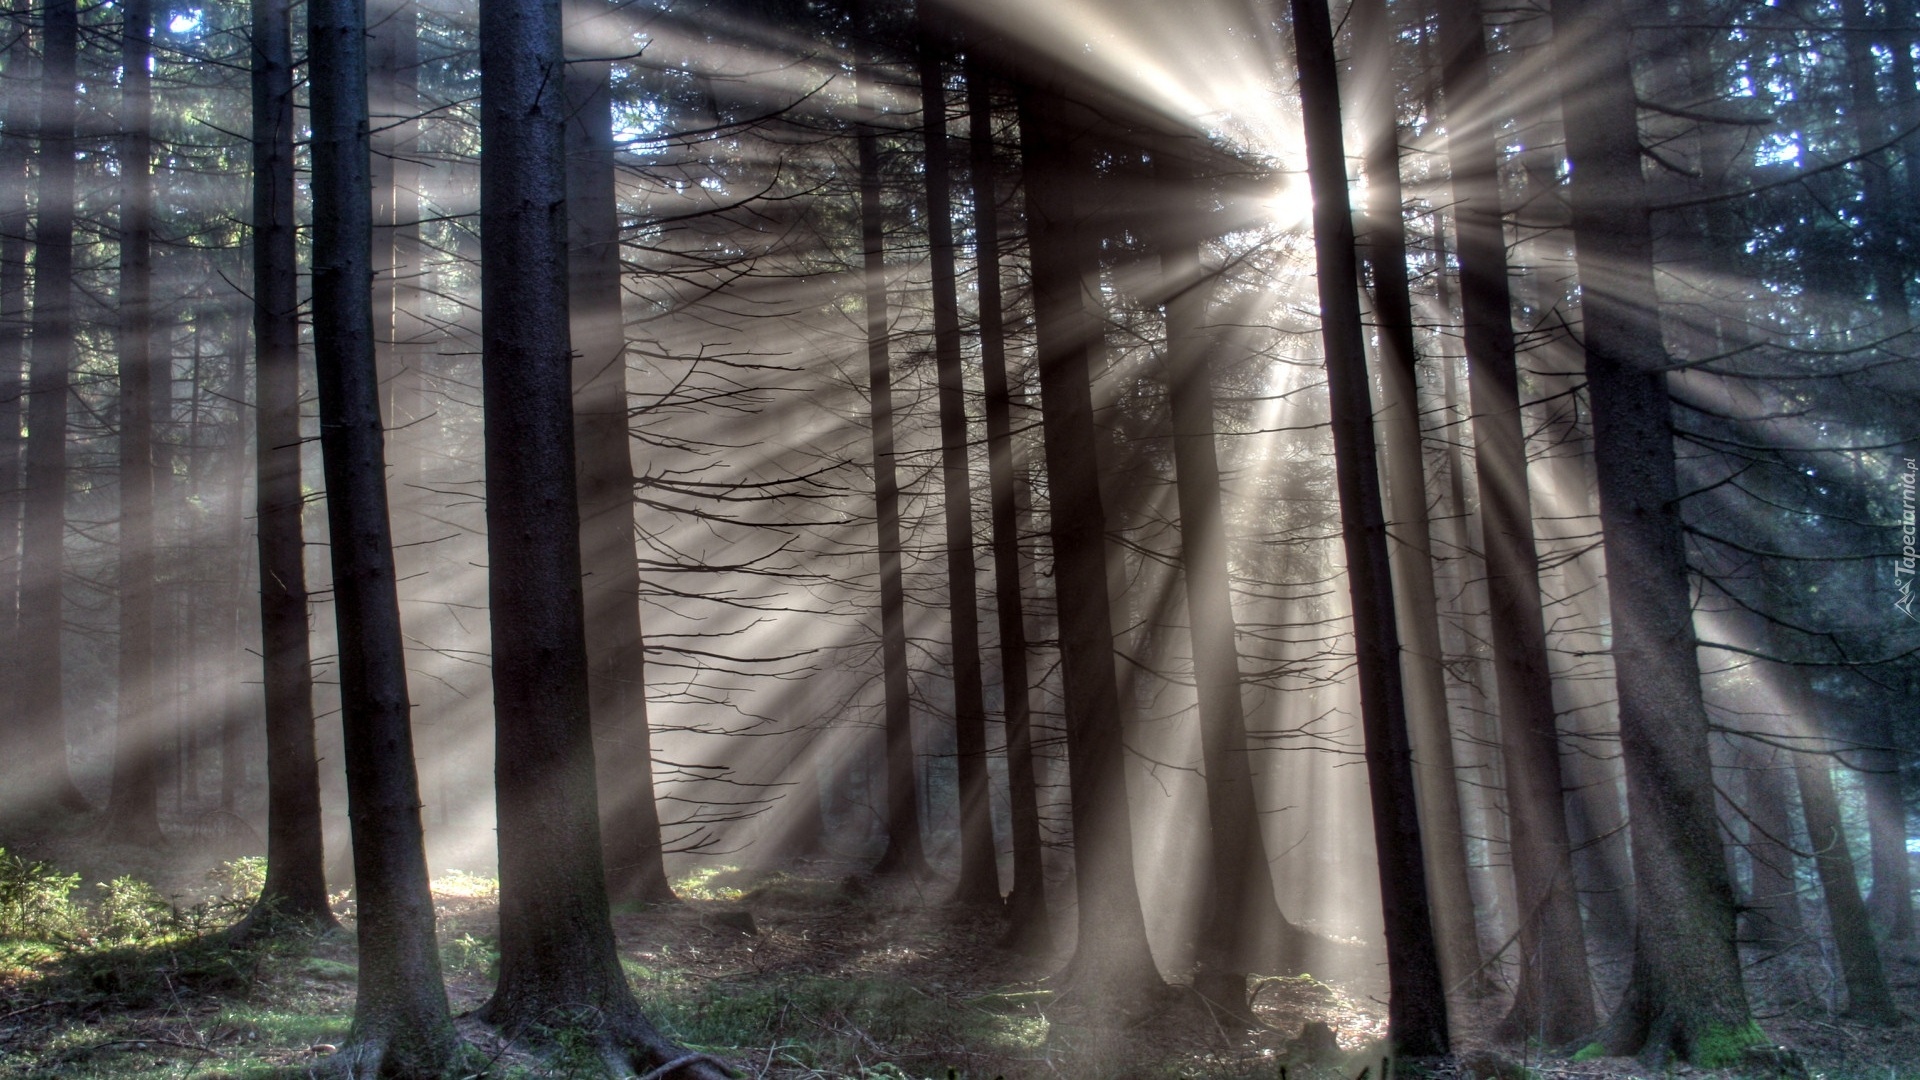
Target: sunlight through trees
975 538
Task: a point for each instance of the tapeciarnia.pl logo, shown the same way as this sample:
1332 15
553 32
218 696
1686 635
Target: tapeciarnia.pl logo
1903 570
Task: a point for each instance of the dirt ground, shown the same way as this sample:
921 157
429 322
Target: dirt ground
818 972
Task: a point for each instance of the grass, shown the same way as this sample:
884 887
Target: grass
110 981
822 1022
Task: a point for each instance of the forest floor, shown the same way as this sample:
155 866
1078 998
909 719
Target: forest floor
805 973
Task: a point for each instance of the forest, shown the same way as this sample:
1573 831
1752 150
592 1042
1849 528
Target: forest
688 539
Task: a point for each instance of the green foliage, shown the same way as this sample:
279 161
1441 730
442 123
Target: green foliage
710 883
36 901
831 1023
470 955
319 967
467 885
1722 1047
242 879
131 911
791 889
1590 1052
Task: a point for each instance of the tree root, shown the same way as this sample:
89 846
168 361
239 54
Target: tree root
373 1057
625 1047
632 1047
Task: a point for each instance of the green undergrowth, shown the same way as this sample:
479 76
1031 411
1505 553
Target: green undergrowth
1719 1047
840 1024
112 981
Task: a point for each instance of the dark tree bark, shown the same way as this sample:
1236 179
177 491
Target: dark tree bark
558 966
401 1026
1892 867
1241 925
133 804
1886 263
1112 963
393 57
1411 547
1684 996
1772 918
979 872
1027 901
1488 783
1890 264
616 656
1417 1005
1554 999
232 632
15 154
1868 997
296 887
905 853
42 775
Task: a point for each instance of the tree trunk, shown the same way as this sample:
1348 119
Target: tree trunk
400 1021
558 967
1488 785
296 885
232 630
1684 996
1112 963
1410 548
1554 999
1417 1005
1892 900
1773 905
15 745
1241 924
616 656
42 775
133 806
1885 262
904 853
979 882
1868 998
1027 901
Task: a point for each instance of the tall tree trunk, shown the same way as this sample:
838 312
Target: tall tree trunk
1892 866
133 807
1885 263
394 89
172 746
1112 962
233 584
15 154
400 1024
1411 548
1417 1004
1241 924
1684 996
1868 998
392 92
616 656
296 886
1027 901
1488 786
43 777
1890 267
1773 906
557 957
979 872
1554 999
904 853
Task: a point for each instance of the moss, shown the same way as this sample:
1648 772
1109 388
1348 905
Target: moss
1589 1052
333 970
1721 1047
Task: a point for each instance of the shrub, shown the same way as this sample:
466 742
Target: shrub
36 901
